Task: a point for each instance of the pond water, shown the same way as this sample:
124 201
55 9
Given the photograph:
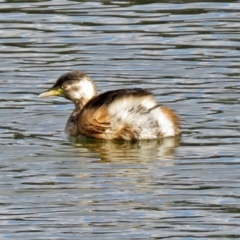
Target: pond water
188 54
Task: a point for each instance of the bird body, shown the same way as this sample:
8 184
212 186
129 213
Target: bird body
128 114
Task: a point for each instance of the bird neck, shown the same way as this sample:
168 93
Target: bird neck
80 103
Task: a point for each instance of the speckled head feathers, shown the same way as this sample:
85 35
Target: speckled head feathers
74 85
70 77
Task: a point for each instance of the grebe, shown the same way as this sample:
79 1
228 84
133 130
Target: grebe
128 114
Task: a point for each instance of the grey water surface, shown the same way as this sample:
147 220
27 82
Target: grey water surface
53 187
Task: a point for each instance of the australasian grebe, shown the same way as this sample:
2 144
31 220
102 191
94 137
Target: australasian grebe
128 114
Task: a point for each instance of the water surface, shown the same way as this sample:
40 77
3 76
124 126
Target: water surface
187 54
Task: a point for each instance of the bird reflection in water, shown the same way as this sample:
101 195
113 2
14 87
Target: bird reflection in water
127 151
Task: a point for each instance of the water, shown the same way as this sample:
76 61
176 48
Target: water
187 54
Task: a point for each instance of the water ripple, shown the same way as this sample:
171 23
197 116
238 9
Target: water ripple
187 54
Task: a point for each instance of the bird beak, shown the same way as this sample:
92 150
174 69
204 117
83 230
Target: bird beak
51 92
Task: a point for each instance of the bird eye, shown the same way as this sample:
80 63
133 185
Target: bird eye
63 86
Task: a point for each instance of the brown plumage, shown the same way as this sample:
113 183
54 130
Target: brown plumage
129 114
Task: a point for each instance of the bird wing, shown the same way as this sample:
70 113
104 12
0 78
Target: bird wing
104 115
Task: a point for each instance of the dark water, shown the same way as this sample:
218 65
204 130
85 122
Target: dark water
188 54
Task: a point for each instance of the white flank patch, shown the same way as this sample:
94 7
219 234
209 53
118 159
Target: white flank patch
136 112
166 125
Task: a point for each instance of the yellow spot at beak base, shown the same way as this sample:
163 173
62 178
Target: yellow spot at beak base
49 93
